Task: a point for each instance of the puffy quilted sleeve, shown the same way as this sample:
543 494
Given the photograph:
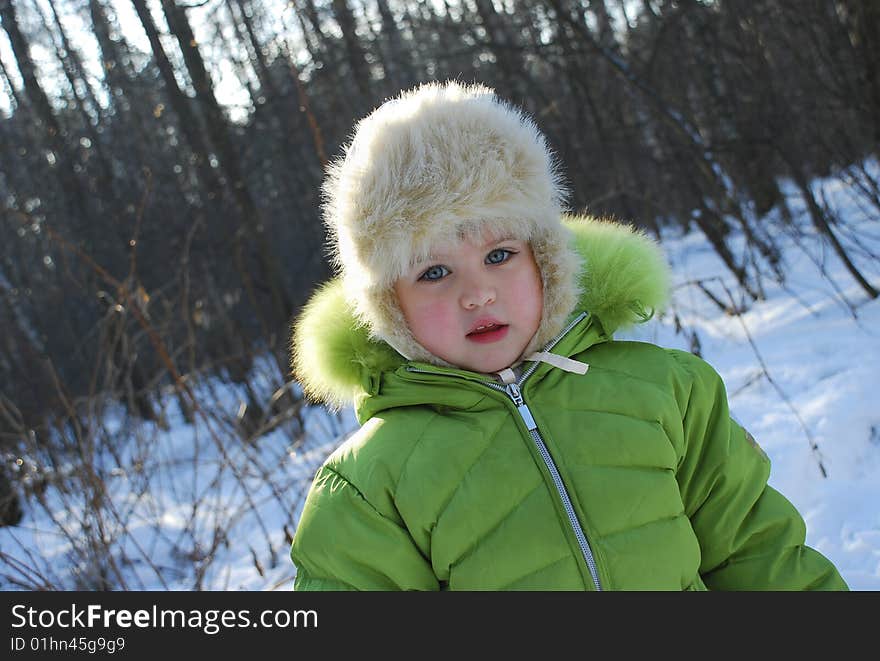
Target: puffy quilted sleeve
343 542
751 537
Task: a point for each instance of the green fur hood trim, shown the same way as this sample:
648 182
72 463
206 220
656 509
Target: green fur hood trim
624 280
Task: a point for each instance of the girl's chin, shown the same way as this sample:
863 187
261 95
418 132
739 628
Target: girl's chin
492 365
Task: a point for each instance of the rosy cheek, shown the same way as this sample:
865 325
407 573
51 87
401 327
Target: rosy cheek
530 292
432 316
432 324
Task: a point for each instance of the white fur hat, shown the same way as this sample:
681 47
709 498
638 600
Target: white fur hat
437 163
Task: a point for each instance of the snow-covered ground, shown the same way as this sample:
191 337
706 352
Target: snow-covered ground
193 507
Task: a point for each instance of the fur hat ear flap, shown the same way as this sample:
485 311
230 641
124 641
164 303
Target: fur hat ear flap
442 161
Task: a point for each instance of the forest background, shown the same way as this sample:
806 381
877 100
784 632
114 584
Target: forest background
160 169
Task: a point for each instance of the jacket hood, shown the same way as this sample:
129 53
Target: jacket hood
623 280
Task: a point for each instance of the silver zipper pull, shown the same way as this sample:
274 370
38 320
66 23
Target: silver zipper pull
514 392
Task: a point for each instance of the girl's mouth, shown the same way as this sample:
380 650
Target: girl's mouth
488 333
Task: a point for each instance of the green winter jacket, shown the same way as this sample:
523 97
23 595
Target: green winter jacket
632 476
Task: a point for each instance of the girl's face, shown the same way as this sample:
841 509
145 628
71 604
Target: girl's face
475 304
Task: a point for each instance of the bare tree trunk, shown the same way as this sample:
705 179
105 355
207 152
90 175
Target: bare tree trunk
820 222
357 59
272 278
311 40
398 67
314 20
869 37
582 99
74 71
285 115
505 45
240 61
7 81
261 66
258 57
77 70
188 122
305 107
114 55
619 171
710 223
72 187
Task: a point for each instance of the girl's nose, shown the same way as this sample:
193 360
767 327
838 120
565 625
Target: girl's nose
476 296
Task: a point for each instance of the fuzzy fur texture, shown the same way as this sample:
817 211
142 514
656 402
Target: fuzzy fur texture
438 163
623 281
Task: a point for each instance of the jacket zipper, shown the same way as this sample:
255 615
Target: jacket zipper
514 392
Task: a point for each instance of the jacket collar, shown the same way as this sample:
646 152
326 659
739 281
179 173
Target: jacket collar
454 388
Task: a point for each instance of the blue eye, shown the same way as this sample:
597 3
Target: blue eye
498 256
434 273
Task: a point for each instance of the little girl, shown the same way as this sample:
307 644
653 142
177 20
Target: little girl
508 442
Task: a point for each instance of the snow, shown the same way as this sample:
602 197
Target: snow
195 507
